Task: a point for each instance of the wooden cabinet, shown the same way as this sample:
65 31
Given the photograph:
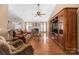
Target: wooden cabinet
67 29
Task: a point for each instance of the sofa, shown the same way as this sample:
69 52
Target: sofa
21 49
24 50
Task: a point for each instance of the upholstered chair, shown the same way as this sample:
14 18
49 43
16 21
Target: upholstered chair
5 49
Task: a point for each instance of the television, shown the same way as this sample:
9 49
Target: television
55 27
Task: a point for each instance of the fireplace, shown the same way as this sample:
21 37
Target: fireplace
35 30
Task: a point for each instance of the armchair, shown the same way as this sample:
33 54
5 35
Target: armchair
7 49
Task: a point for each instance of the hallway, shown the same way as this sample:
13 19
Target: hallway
45 46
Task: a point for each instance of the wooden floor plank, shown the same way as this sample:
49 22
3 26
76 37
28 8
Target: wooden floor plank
45 46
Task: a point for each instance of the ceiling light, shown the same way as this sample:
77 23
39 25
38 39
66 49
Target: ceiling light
38 13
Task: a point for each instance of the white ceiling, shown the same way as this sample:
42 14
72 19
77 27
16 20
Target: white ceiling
27 11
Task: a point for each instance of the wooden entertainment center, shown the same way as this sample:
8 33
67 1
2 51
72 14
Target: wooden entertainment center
63 27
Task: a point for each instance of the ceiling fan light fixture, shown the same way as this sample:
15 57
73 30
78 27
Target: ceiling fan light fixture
38 13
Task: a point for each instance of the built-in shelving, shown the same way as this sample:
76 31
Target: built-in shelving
63 28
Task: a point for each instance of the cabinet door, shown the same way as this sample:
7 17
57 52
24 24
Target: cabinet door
71 29
60 29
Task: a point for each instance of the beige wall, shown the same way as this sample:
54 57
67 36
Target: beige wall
3 18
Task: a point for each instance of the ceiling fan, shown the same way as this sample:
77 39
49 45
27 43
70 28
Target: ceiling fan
38 13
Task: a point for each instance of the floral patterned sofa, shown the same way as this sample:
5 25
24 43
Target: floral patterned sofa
7 49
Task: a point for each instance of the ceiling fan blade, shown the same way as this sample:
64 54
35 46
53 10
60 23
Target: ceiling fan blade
36 15
42 14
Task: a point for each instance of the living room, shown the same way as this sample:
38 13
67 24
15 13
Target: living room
26 29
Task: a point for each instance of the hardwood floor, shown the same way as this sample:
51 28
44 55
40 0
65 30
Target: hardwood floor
45 46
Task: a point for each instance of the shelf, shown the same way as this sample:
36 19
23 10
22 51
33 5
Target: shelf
65 25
